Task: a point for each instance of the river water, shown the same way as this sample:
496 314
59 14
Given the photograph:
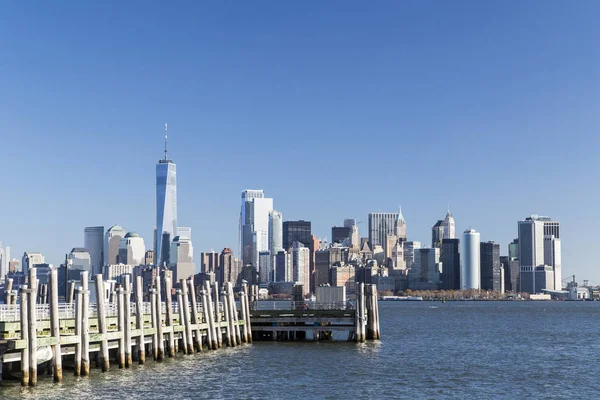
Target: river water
430 350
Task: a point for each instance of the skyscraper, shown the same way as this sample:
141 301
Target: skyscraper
80 259
437 234
166 206
301 266
341 234
209 262
184 231
380 226
31 259
450 264
254 225
265 271
400 229
354 235
182 258
296 231
112 243
425 271
490 266
470 260
228 267
409 252
246 224
93 242
275 232
449 226
535 234
132 250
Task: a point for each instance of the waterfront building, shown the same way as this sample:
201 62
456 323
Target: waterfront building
508 276
437 234
275 232
409 252
30 260
209 262
450 278
341 235
426 269
380 226
470 260
166 207
182 258
449 226
301 266
80 259
354 235
93 242
132 250
539 252
490 267
112 243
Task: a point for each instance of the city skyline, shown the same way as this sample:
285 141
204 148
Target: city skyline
82 156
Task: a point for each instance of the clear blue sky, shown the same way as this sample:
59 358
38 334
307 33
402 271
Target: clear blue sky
334 108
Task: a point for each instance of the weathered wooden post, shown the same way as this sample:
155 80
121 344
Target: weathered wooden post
375 307
207 317
139 319
78 329
232 320
169 313
227 319
85 323
194 316
152 295
234 313
24 335
55 325
159 325
101 310
362 313
370 319
186 316
127 320
69 300
121 327
218 316
32 310
248 324
182 320
244 329
211 316
8 291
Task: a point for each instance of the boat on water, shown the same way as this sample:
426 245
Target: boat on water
401 298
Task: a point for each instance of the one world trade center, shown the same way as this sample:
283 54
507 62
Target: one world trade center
166 207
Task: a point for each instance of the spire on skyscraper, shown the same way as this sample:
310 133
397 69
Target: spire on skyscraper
166 131
400 216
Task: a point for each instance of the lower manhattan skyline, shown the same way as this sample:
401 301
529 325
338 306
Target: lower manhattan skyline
499 134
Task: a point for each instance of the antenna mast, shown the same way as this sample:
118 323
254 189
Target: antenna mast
166 131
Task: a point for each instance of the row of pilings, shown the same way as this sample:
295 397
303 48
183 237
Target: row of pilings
367 313
208 319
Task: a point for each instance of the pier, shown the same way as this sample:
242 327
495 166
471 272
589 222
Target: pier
39 334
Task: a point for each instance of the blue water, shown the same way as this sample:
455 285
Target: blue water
429 350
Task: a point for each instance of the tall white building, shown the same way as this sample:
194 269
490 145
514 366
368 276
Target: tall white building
539 254
354 235
112 243
246 230
301 266
449 227
79 258
260 244
275 232
166 207
470 260
29 260
132 249
4 261
184 231
93 242
254 219
182 258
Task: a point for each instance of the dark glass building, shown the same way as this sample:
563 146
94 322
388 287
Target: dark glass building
450 279
340 233
490 266
296 231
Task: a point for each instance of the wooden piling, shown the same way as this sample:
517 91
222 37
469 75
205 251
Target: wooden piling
218 315
78 329
169 313
153 312
55 325
139 318
32 310
127 320
238 338
85 324
232 320
244 329
362 313
246 303
377 333
71 292
8 291
195 320
159 324
101 309
182 320
25 335
211 317
121 327
186 316
370 329
227 320
206 317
